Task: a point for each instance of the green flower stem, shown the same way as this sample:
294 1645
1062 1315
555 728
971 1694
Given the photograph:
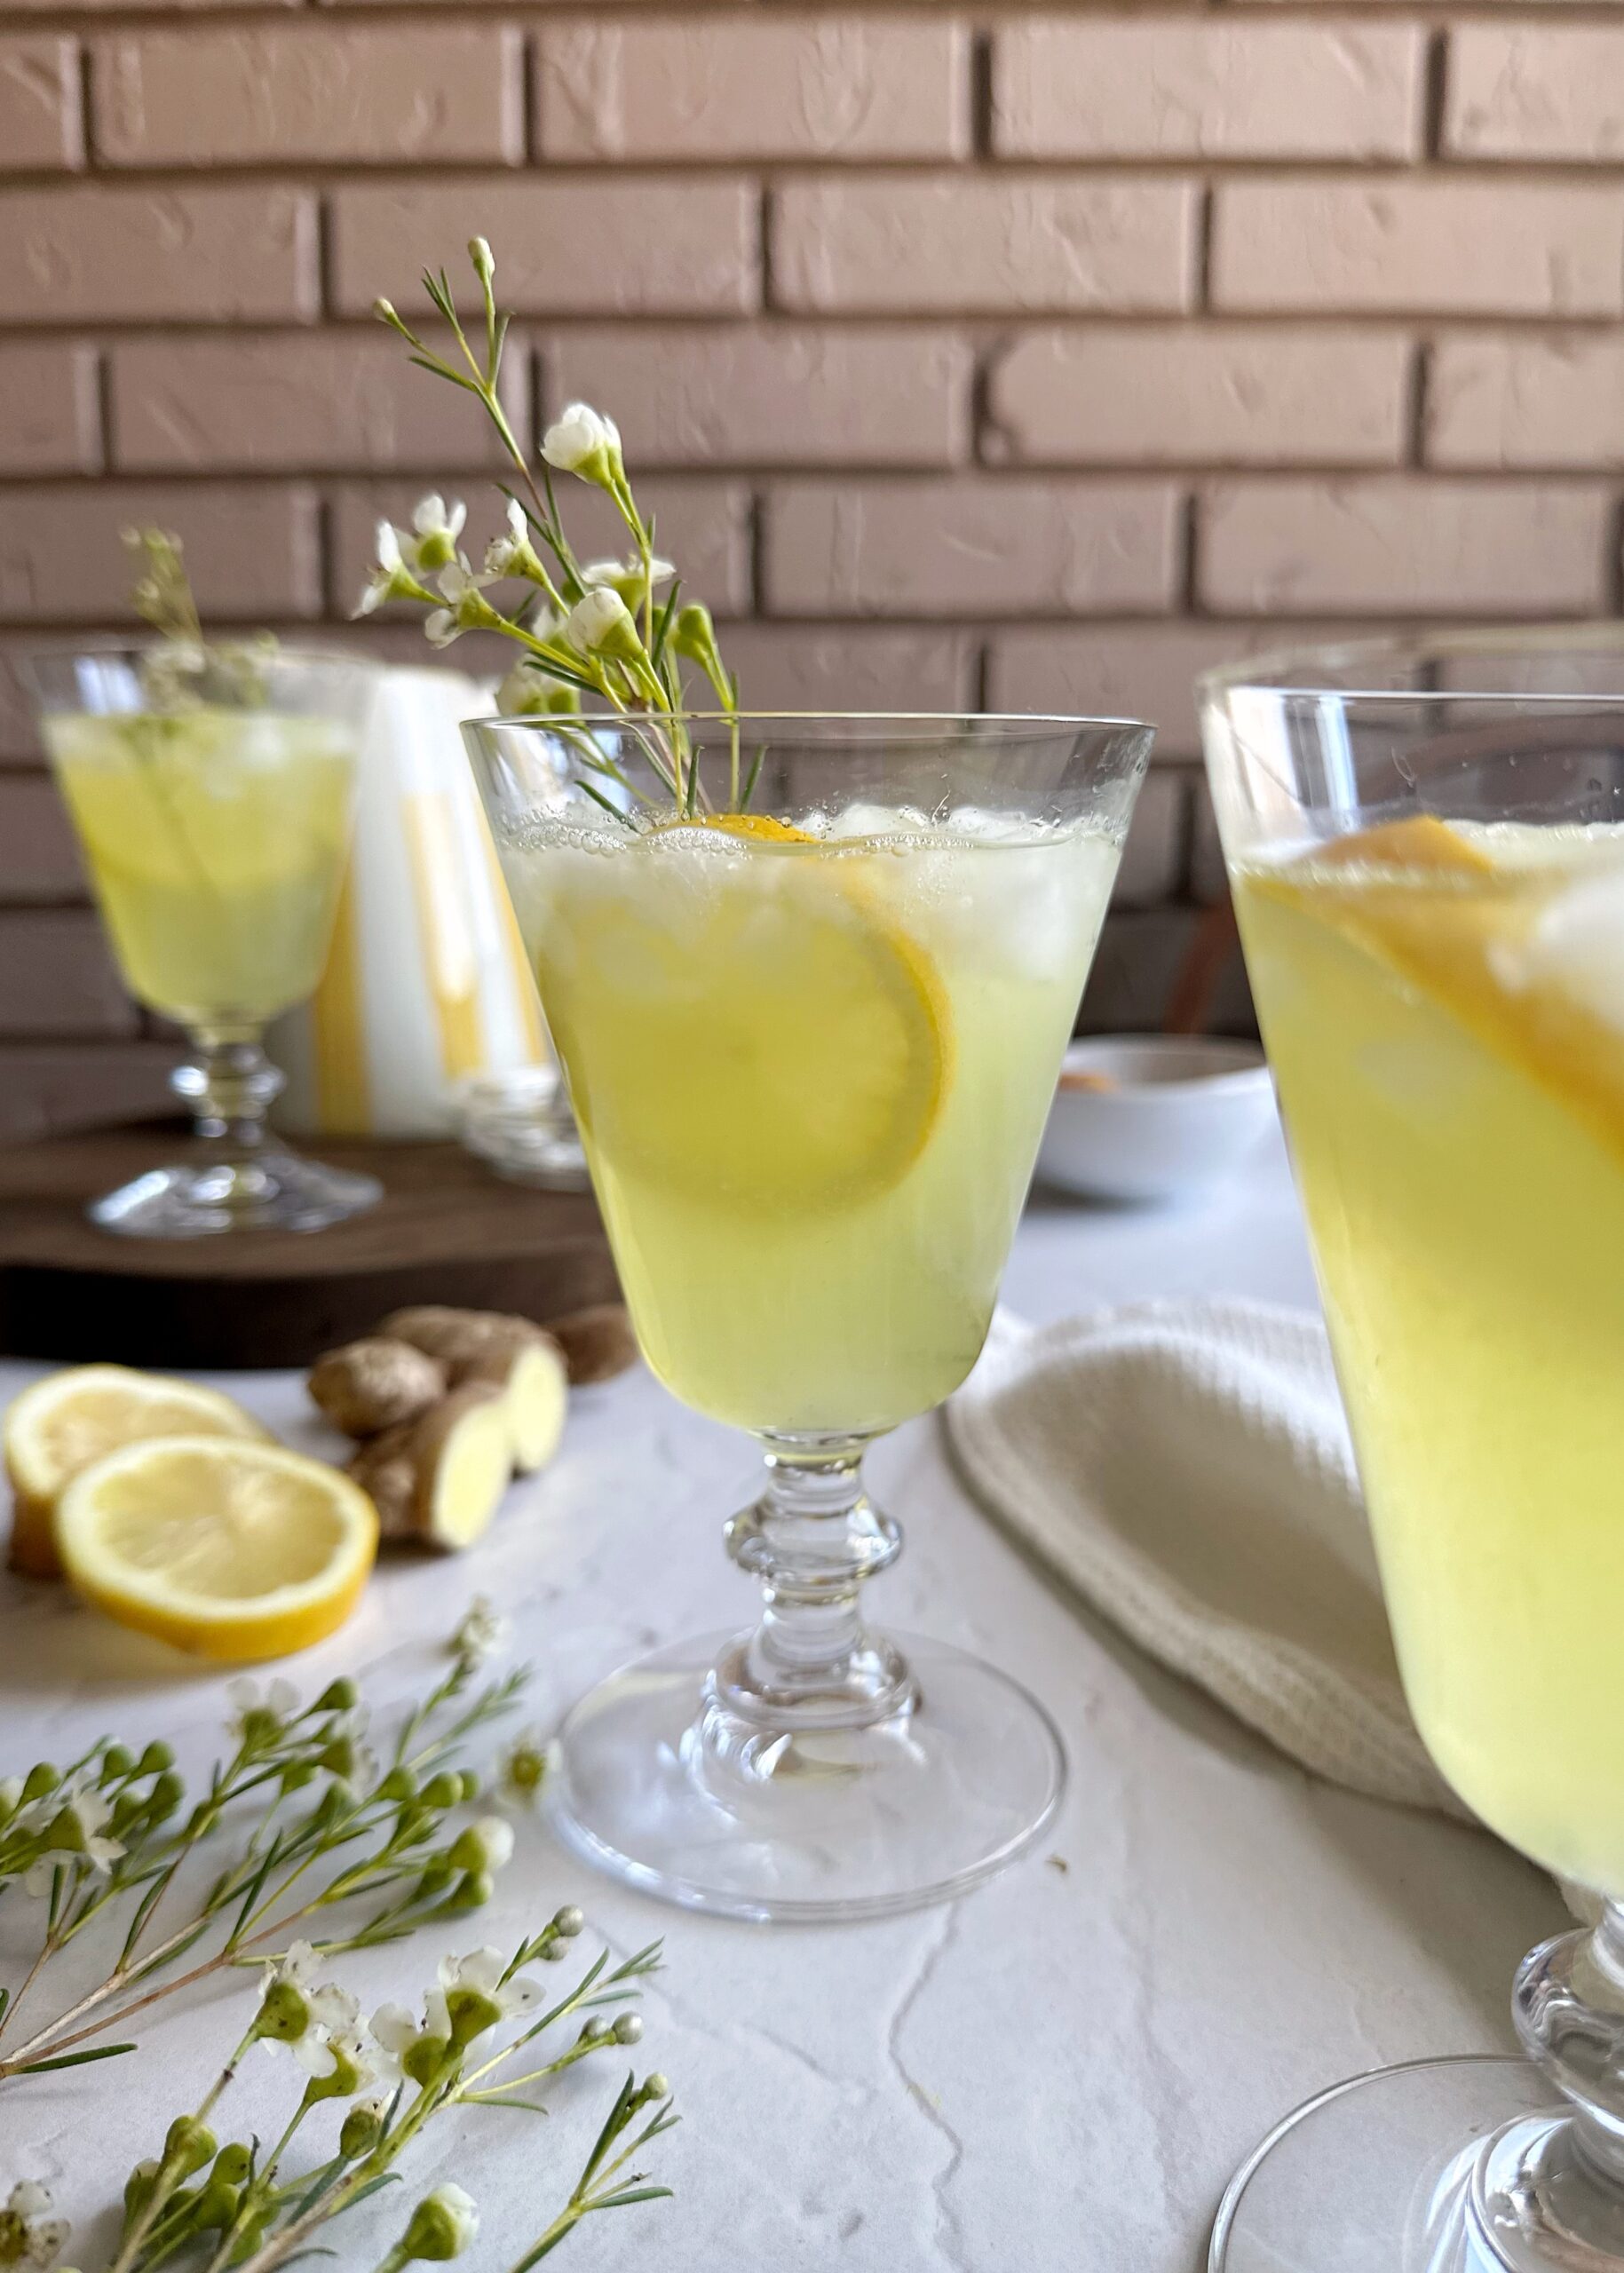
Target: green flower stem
171 2171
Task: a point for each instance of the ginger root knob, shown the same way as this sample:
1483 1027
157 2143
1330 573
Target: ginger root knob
534 1386
440 1479
376 1384
458 1339
598 1343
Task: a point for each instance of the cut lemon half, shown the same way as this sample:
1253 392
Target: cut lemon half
231 1550
64 1423
772 1039
1481 941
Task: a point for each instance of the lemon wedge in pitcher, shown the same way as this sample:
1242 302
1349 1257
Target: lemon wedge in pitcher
231 1550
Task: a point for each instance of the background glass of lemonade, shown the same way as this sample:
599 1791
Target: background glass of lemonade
215 830
1426 846
811 1049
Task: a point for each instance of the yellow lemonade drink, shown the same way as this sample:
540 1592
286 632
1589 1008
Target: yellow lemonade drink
1443 1007
216 843
811 1070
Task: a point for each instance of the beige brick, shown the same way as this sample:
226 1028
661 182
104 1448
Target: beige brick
40 125
973 241
703 526
566 248
1535 90
1138 86
851 667
1128 670
39 856
1155 394
334 400
95 255
276 95
49 420
1453 547
1526 402
49 1088
779 87
252 553
1153 857
58 977
988 548
20 743
1461 247
786 395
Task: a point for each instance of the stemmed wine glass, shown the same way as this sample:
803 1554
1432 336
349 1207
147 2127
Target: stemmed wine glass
211 793
1426 845
812 1019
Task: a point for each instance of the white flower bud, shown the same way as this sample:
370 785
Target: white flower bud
583 441
601 623
443 2225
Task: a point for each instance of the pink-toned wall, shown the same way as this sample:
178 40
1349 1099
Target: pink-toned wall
1026 356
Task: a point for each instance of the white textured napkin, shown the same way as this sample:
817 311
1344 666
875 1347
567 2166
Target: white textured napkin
1186 1466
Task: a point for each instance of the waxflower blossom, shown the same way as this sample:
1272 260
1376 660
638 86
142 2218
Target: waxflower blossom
435 530
391 578
523 1769
279 1699
530 690
514 555
466 607
479 1633
626 577
584 442
27 2236
303 2013
474 1997
75 1829
601 623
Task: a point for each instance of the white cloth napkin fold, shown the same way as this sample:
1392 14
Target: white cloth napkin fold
1186 1466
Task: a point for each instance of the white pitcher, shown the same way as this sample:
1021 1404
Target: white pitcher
426 986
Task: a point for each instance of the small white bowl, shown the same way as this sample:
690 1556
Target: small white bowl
1173 1115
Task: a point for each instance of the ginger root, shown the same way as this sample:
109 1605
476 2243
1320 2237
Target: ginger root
534 1386
376 1384
598 1343
458 1338
448 1404
439 1478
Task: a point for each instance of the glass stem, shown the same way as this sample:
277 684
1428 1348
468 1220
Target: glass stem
230 1085
1550 2195
812 1539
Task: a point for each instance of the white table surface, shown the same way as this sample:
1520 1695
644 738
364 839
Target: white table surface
1058 2072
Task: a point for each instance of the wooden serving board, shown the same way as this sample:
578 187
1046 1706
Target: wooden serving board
446 1230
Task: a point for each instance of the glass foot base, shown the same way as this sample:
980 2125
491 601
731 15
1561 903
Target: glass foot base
277 1192
1440 2166
812 1825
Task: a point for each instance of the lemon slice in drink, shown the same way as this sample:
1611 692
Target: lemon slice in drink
231 1550
765 1038
62 1423
1512 951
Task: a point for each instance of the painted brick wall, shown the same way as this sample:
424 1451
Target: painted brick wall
1026 355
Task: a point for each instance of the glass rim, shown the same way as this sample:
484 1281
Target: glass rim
68 644
1309 669
1009 725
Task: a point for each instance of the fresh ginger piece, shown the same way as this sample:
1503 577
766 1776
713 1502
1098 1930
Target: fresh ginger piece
459 1339
375 1384
33 1547
598 1343
462 1454
535 1384
440 1479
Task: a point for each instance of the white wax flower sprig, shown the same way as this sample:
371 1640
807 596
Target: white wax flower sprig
214 2203
597 630
372 1848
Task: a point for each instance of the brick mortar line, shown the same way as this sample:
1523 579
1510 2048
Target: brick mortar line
971 325
316 176
970 477
1001 12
